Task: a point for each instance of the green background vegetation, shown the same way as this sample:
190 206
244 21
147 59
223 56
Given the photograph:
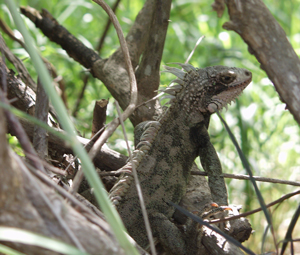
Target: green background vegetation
267 133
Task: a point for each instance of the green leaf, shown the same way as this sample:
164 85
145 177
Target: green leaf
26 237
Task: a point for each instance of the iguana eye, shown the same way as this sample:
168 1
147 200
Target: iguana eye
228 78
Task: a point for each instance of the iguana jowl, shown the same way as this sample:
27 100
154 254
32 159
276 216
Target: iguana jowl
168 147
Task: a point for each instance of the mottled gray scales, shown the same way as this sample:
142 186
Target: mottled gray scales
166 151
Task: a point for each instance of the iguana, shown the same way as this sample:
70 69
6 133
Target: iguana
168 147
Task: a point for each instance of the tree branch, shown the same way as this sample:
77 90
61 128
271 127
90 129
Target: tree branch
148 72
24 99
268 42
18 64
112 71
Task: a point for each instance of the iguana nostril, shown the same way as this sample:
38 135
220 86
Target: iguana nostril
247 73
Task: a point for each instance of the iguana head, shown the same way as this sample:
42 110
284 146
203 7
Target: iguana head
209 89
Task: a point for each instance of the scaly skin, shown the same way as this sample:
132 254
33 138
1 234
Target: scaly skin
164 166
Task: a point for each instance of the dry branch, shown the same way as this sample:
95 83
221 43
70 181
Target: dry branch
99 116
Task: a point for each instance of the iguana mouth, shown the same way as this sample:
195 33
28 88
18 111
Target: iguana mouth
241 84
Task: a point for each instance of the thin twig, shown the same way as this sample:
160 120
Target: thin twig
133 86
258 209
98 48
80 96
79 175
247 177
288 235
51 168
138 187
231 176
151 99
88 145
7 30
193 51
106 27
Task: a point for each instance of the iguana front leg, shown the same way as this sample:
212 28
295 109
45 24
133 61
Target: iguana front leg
208 156
212 166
